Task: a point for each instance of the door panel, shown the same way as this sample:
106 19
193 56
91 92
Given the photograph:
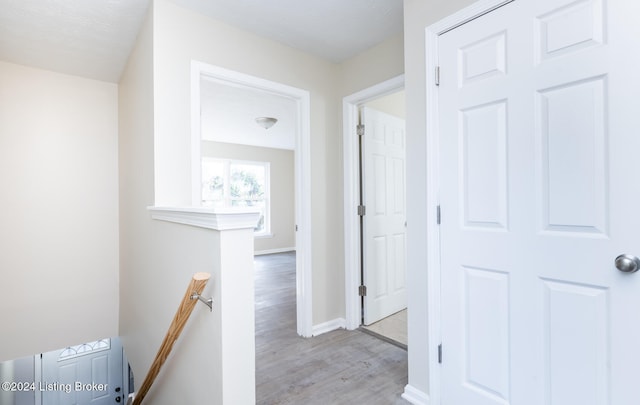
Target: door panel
538 144
384 223
573 174
486 310
573 310
484 168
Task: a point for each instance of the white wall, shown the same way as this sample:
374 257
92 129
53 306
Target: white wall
59 232
182 35
155 153
375 65
281 191
158 258
419 14
393 104
155 169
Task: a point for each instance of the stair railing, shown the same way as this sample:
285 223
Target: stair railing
197 284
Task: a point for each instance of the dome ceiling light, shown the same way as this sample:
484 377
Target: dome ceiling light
266 122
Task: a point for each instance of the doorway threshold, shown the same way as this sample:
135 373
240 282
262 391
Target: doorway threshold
383 337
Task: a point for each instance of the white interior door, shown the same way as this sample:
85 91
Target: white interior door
384 263
539 138
83 374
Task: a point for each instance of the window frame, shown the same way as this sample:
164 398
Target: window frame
226 193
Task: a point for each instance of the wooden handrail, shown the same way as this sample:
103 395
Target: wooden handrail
197 284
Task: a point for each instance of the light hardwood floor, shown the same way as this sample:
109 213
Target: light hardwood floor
339 367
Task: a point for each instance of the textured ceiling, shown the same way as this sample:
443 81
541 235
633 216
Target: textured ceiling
229 113
93 38
332 29
90 38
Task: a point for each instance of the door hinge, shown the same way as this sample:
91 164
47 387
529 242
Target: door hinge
361 129
362 290
362 210
437 73
296 227
440 353
438 215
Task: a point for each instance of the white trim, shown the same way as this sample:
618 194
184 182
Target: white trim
221 219
302 169
415 396
350 105
433 233
432 154
338 323
272 251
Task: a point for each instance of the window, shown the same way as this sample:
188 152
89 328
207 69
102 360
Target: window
237 183
85 348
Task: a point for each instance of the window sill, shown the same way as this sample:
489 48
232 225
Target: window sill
221 219
263 236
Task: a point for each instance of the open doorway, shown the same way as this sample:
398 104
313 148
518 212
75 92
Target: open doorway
375 219
253 152
248 159
383 219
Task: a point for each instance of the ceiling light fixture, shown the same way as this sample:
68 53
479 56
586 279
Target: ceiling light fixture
266 122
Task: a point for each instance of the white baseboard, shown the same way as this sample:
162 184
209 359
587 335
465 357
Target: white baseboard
271 251
415 396
338 323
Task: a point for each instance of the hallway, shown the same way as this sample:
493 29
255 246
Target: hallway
339 367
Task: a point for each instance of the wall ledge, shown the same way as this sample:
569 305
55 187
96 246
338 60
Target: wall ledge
220 219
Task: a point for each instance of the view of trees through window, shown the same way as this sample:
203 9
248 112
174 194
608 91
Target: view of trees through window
232 183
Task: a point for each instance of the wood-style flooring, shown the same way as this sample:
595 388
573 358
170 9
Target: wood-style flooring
338 367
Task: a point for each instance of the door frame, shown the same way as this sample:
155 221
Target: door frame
302 167
351 164
432 153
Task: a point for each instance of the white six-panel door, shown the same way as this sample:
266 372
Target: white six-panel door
384 223
540 190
